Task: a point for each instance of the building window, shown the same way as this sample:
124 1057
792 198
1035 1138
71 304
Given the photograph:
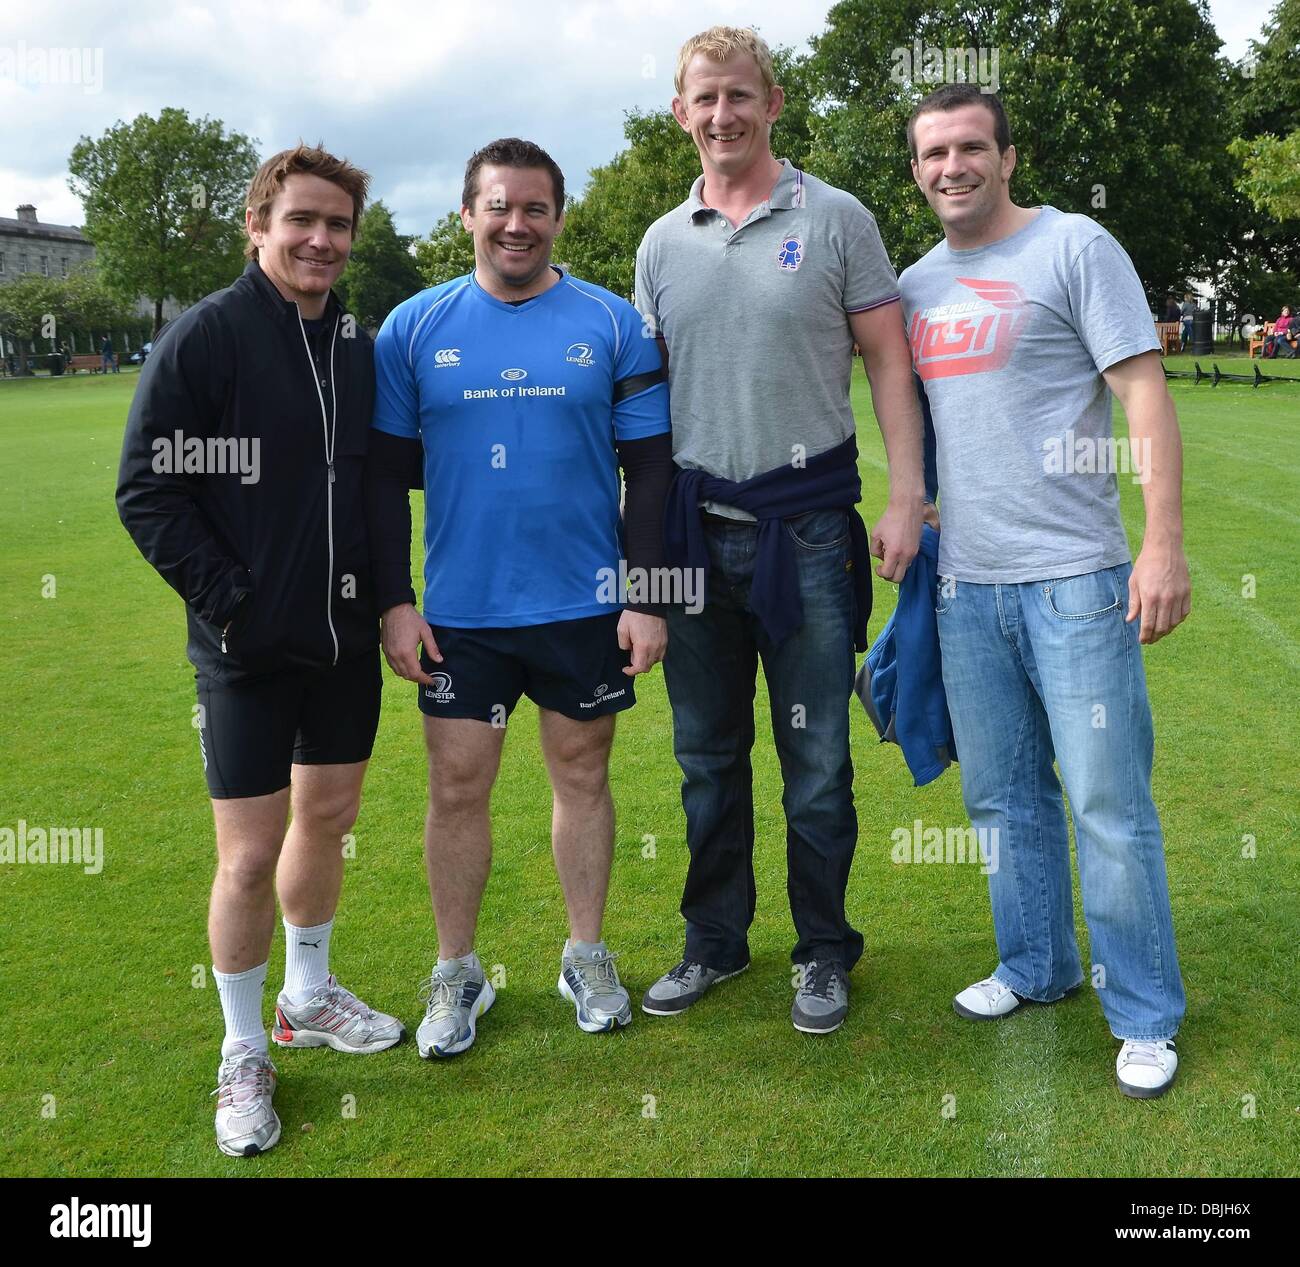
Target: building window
2 263
45 265
22 263
65 266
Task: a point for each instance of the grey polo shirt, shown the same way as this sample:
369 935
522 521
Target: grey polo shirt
756 321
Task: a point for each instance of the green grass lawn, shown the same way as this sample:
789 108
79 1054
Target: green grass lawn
101 1012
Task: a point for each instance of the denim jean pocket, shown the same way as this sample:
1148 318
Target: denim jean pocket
819 529
1083 597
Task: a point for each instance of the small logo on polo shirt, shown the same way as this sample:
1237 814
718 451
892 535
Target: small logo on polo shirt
440 688
446 356
579 354
513 376
790 256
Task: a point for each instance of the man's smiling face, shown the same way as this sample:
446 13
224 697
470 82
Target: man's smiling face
514 222
307 238
724 107
959 170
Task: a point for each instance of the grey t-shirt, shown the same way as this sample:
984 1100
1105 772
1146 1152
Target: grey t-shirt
1010 340
756 321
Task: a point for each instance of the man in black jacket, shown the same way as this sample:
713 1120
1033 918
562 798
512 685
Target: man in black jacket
241 482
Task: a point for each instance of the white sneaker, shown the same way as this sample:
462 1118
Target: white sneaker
336 1018
986 1000
1146 1070
246 1123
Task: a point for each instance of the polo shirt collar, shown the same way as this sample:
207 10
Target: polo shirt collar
787 194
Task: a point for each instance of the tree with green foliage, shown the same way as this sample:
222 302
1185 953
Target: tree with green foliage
1261 270
164 204
381 272
1117 111
42 310
447 252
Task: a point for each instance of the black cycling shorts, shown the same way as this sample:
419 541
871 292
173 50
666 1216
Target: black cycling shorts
252 732
573 667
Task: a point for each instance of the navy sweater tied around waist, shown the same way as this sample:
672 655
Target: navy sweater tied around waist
829 481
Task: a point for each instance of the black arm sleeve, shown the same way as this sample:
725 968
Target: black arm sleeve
647 471
182 387
394 465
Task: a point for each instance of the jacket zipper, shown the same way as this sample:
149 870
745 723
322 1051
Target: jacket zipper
329 432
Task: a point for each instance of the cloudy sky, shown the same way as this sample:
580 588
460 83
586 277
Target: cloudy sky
407 90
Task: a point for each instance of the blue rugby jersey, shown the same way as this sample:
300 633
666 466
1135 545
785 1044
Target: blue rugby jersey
515 407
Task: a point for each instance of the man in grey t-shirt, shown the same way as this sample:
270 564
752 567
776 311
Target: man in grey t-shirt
759 285
1022 322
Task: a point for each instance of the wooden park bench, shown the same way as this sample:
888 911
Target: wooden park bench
1170 335
1258 341
91 361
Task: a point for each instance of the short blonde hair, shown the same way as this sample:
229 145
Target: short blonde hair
719 44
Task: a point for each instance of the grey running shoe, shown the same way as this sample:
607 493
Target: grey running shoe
246 1122
456 999
336 1018
822 1000
681 986
592 986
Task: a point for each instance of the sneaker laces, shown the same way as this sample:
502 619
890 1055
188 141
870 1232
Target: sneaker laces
818 979
343 999
684 971
1136 1052
598 975
244 1080
991 988
442 996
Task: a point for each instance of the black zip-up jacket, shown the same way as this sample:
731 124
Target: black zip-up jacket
281 559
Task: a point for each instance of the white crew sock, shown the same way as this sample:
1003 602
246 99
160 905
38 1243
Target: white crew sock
306 960
241 1005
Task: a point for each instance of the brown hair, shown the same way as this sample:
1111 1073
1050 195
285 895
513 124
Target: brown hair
720 44
510 151
310 160
953 97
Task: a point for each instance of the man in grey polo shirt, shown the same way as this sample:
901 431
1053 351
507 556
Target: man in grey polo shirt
759 285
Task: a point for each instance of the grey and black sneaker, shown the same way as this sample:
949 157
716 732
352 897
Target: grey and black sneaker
822 1000
681 986
590 982
246 1122
457 997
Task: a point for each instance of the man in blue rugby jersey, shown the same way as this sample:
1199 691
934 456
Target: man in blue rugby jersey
514 394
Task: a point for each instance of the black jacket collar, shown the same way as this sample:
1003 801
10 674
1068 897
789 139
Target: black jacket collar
263 288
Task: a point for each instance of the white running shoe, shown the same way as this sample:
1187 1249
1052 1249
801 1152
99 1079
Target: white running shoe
986 1000
1146 1070
246 1122
592 986
336 1018
455 1002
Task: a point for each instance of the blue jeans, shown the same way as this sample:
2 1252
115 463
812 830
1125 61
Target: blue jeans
710 669
1044 670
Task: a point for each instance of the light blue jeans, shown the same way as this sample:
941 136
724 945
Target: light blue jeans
1049 670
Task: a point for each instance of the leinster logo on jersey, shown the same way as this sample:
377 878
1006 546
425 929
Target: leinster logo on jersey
790 256
579 354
